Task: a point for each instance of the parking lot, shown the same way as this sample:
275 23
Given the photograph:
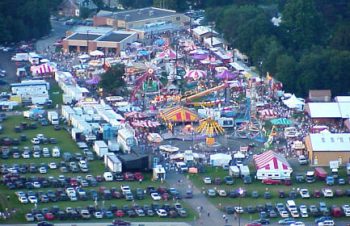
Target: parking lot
51 179
256 200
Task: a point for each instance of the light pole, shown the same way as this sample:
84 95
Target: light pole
240 193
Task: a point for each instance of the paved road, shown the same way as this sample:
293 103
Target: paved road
216 216
103 224
58 31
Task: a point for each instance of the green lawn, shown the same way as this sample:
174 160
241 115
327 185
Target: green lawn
67 145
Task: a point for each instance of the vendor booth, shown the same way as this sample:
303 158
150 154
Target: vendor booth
159 173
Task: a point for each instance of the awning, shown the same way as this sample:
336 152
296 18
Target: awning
145 124
281 121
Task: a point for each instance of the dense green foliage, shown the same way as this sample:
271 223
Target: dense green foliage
25 19
112 81
309 50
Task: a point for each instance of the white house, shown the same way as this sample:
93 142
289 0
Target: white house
272 165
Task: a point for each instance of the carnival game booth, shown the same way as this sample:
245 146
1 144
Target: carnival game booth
270 165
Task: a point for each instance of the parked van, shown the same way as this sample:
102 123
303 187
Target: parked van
291 205
310 176
108 176
56 152
320 173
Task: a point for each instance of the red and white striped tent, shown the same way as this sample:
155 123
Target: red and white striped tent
271 165
135 115
145 124
42 69
268 114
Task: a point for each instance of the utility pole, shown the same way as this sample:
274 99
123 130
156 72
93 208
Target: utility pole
87 41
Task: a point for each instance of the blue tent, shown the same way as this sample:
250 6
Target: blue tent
159 42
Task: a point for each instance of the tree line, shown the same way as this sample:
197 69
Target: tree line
25 19
310 49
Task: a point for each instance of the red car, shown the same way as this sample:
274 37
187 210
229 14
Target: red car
165 196
49 216
138 176
73 182
119 213
271 181
129 176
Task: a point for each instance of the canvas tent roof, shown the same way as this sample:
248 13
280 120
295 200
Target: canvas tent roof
271 160
179 114
293 102
323 110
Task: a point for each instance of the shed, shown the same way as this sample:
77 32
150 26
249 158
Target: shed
158 173
321 95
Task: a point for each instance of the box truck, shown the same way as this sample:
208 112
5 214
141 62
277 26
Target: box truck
52 116
113 163
100 147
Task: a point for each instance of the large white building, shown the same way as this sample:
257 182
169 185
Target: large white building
33 91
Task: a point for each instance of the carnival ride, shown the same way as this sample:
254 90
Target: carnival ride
203 93
210 128
148 83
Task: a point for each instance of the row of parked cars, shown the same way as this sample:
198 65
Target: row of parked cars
42 168
26 153
293 194
93 212
74 193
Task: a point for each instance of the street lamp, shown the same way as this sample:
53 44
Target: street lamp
240 193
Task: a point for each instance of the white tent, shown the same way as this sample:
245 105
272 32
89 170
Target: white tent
294 102
239 155
220 159
96 53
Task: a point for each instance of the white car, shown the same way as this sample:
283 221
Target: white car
294 213
162 213
23 199
33 199
326 223
42 170
25 155
238 209
155 196
304 193
284 214
35 141
98 215
36 184
52 165
125 188
327 193
36 154
207 180
222 193
346 210
303 211
298 223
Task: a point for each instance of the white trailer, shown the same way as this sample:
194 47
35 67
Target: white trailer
113 145
67 112
126 139
113 163
233 171
100 147
52 116
244 170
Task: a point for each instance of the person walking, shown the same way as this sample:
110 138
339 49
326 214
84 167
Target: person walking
208 214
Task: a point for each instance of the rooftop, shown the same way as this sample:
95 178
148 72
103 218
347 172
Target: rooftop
114 37
80 36
137 14
91 30
330 141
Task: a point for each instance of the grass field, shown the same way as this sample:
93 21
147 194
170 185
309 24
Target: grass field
66 144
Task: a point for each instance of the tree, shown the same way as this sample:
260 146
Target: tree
301 25
84 12
341 37
112 81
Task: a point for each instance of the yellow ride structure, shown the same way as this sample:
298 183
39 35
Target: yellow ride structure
210 128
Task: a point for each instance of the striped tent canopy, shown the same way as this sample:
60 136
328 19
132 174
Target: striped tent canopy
42 69
271 160
178 114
